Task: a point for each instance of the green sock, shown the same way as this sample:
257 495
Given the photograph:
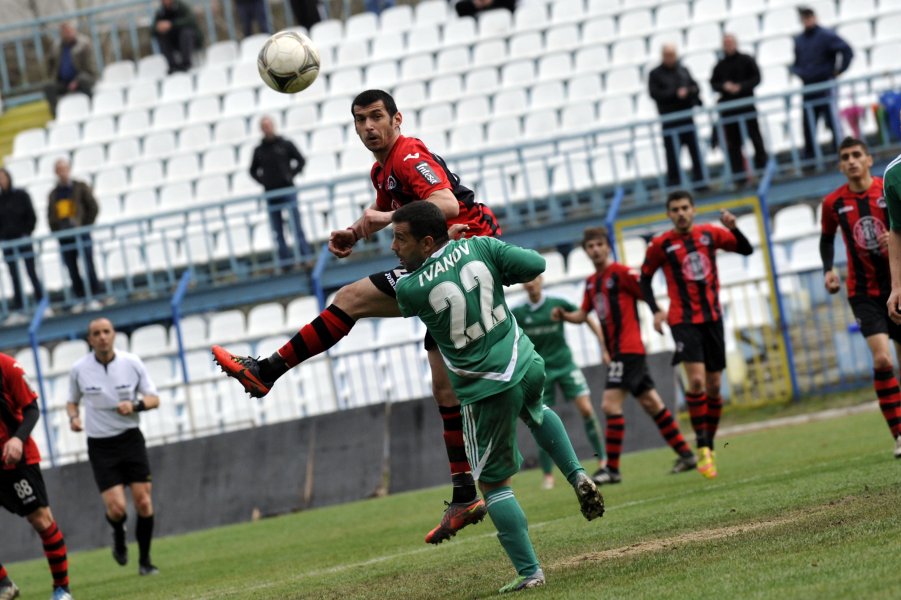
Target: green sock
551 435
546 462
512 529
592 430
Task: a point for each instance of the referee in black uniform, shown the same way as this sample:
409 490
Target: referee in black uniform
114 387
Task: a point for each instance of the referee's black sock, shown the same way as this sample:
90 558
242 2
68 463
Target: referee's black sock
118 527
144 533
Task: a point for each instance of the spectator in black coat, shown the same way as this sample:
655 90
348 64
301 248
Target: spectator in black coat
674 90
18 222
178 34
250 11
306 12
276 162
820 55
735 76
471 8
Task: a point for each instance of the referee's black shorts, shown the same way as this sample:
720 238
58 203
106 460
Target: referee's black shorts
119 460
872 317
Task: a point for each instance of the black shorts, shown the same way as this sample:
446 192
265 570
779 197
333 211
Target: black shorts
700 342
22 490
119 460
386 281
629 372
872 317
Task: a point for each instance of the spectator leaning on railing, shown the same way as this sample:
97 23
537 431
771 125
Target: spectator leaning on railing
72 204
735 76
178 34
820 56
674 90
70 66
18 222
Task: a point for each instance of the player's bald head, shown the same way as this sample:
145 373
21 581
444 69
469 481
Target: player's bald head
100 324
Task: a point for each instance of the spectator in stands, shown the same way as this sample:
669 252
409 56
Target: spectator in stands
178 33
820 56
674 90
276 162
250 11
18 222
72 204
306 12
70 66
470 8
735 76
377 6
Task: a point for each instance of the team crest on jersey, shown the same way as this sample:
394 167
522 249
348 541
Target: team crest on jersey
391 184
880 202
705 239
695 266
867 232
610 283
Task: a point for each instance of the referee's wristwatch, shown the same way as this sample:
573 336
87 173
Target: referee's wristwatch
138 406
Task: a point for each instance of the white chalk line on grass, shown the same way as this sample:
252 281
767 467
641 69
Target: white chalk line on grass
297 577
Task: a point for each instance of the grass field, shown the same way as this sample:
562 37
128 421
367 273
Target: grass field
810 511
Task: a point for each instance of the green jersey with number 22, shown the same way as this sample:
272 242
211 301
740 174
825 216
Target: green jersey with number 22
458 294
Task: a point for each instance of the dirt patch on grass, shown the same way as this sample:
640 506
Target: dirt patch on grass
707 535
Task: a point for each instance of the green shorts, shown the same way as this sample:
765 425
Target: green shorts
572 383
489 426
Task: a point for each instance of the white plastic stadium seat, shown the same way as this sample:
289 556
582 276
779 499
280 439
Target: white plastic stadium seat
116 75
29 142
562 37
460 31
72 108
146 174
123 151
152 67
251 46
793 222
142 94
177 87
495 22
567 10
202 110
107 102
431 12
63 136
232 130
388 46
212 80
222 53
181 168
362 26
395 20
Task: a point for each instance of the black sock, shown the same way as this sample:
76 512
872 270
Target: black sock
118 527
464 487
144 533
273 367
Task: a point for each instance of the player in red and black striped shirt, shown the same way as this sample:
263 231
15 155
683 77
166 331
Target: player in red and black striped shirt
859 210
405 171
22 489
687 254
612 294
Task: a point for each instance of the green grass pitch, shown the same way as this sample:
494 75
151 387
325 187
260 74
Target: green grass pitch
809 511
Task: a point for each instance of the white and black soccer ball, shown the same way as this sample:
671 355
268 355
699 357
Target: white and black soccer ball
288 62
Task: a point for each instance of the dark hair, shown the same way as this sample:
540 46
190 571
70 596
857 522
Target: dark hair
850 142
595 233
371 97
425 219
679 195
805 12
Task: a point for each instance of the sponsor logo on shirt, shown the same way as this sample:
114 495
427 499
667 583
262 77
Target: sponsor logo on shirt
409 156
845 209
867 232
427 173
674 247
695 266
601 307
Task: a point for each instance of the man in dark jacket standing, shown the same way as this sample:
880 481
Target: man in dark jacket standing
18 222
735 76
178 34
70 66
276 162
820 55
674 90
72 204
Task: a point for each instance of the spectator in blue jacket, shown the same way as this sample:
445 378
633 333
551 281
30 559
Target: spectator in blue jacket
820 55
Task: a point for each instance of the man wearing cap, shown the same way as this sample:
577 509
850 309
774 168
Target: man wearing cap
820 55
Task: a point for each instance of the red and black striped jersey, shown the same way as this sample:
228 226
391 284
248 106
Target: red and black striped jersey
689 264
15 394
613 295
413 173
863 218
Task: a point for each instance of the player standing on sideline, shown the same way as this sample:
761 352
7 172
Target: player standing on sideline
539 319
22 489
405 171
859 209
687 254
454 287
110 382
612 293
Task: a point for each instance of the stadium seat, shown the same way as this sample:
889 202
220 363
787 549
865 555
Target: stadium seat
87 159
148 173
22 171
364 25
153 67
775 51
222 53
239 103
482 81
510 102
107 102
423 38
395 20
64 136
245 75
73 108
704 36
116 75
29 142
793 222
460 31
139 202
629 51
576 115
159 145
213 79
133 123
67 353
383 75
554 270
562 38
431 12
709 10
204 109
346 81
177 87
352 52
231 130
184 167
555 66
592 59
488 53
266 319
599 30
123 151
111 181
453 60
142 94
169 116
495 23
194 137
635 22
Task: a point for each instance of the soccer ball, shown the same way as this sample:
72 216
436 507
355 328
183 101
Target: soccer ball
288 62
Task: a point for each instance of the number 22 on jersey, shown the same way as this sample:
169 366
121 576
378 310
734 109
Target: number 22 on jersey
449 295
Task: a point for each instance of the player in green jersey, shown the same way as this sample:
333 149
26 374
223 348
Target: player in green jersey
891 191
537 320
455 288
